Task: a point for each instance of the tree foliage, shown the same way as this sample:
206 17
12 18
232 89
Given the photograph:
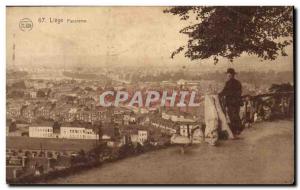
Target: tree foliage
284 87
230 31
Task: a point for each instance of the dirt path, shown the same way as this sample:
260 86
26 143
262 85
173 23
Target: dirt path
263 154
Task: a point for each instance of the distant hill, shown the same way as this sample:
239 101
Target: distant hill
16 74
78 75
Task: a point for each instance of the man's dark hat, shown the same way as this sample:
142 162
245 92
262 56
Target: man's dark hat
231 71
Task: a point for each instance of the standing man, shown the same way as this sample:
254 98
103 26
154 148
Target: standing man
232 94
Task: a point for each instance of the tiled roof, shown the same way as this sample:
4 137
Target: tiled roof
77 124
42 124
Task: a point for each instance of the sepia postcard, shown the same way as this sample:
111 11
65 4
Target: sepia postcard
190 95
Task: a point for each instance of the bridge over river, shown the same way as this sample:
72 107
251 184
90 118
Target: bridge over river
262 154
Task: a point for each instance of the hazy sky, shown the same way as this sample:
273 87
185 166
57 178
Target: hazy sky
131 35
